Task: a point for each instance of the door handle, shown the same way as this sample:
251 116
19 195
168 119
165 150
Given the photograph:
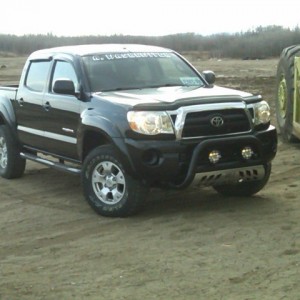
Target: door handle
47 106
21 101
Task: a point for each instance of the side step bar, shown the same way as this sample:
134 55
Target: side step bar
51 164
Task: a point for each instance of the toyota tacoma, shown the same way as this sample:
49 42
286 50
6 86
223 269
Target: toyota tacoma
130 117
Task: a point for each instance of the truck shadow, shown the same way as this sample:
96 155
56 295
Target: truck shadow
50 188
202 201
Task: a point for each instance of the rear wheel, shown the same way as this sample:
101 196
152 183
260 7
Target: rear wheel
108 188
11 163
285 93
245 189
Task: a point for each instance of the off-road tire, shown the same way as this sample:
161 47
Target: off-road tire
107 187
11 163
285 93
245 189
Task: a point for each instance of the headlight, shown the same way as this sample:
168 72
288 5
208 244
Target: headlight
150 122
262 113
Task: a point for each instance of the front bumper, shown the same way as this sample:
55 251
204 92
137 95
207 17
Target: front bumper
178 161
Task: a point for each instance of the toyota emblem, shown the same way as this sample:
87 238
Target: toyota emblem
217 121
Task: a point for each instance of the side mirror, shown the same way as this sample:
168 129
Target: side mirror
64 86
209 76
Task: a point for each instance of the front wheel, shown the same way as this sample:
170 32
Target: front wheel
11 163
245 189
108 188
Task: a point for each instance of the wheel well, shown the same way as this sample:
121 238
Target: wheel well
92 140
1 120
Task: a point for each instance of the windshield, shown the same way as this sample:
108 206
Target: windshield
121 71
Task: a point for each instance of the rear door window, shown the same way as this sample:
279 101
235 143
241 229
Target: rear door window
37 75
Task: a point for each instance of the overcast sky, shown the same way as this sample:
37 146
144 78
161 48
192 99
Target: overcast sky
140 17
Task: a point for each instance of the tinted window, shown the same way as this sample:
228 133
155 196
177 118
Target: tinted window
37 75
64 70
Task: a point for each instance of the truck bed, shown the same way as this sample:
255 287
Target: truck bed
9 91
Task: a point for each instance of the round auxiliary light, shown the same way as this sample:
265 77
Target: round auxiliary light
247 152
214 156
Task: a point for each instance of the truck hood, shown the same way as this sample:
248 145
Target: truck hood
170 95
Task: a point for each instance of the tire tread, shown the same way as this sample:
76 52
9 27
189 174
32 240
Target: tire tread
15 165
286 68
136 190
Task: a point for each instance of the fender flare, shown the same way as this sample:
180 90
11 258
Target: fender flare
7 115
107 129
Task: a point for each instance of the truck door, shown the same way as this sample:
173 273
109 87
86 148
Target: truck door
29 107
62 113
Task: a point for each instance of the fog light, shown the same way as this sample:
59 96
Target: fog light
247 152
214 156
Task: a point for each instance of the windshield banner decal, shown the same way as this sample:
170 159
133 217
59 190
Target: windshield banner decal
113 56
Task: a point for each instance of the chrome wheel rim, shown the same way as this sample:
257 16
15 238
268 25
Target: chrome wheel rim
108 182
3 153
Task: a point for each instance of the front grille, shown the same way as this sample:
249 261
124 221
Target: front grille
199 123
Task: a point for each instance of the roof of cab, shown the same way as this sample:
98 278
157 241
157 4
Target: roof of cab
83 50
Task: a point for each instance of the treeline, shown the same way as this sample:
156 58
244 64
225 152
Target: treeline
261 42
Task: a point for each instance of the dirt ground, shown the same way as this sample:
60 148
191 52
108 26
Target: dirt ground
192 244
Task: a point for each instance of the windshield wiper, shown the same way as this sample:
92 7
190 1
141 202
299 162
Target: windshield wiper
170 85
163 85
146 87
120 89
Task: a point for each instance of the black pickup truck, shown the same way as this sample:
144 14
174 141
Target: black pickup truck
131 117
